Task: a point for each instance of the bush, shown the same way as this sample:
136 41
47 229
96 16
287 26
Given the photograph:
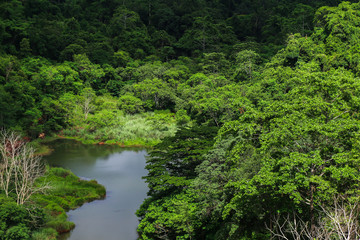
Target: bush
131 104
12 214
19 232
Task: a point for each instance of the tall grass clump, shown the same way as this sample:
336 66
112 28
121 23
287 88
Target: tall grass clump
45 234
139 129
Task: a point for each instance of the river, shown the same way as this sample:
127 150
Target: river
120 171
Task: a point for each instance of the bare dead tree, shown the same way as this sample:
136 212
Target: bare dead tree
338 221
87 106
343 218
28 169
87 99
290 227
10 143
20 167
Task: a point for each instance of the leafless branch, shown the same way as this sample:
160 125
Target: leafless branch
338 221
19 166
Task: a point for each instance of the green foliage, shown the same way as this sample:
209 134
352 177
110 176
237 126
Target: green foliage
156 93
16 221
288 123
215 63
44 233
61 226
130 104
173 161
95 115
338 27
19 232
129 33
122 58
170 210
67 192
212 99
173 217
303 137
206 35
247 68
182 118
292 148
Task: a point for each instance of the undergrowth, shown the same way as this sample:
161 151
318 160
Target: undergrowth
144 129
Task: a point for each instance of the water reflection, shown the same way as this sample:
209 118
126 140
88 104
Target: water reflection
120 170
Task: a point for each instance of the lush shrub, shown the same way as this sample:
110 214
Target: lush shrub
131 104
12 215
19 232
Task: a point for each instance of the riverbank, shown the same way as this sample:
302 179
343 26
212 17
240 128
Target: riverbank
120 170
66 192
42 149
124 144
143 130
43 216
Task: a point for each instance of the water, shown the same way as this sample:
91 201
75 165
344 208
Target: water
120 171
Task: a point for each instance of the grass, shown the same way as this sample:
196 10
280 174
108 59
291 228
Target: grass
41 148
45 234
66 192
44 216
146 129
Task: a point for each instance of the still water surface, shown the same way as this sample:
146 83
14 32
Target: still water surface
120 171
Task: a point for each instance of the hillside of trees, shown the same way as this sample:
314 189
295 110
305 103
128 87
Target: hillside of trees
250 108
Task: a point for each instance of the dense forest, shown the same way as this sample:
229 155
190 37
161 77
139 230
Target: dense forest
250 110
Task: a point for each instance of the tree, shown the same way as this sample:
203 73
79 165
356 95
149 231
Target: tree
156 93
89 73
130 104
121 58
128 32
173 161
170 211
173 217
20 167
211 102
55 80
215 63
337 27
8 108
25 48
247 62
339 221
86 101
205 35
17 220
71 50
